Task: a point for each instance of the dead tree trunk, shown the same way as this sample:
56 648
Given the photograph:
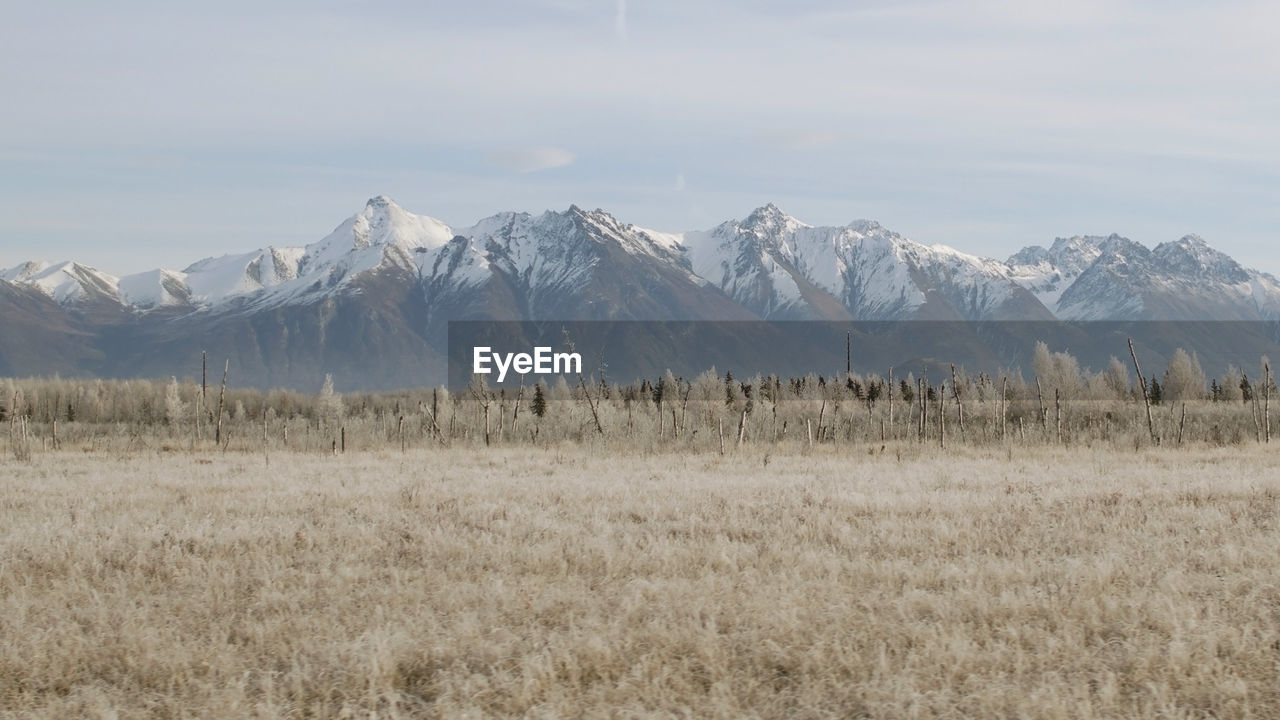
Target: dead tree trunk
595 414
922 397
1266 401
1057 409
890 400
955 390
1044 413
1142 383
1004 409
515 414
435 426
821 413
942 416
684 403
1182 424
1255 412
222 394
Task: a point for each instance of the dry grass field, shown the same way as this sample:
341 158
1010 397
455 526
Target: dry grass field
1043 582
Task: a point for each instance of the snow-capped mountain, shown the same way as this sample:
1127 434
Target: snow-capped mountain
383 235
575 264
374 296
68 283
1114 278
780 267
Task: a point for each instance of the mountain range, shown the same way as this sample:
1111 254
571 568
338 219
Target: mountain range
371 301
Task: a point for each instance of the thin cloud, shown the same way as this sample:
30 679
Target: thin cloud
530 159
620 21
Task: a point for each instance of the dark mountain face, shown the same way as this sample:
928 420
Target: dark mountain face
371 338
39 337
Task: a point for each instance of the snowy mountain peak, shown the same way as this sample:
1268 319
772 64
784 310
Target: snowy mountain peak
25 271
780 267
380 229
866 227
383 222
67 282
1071 254
1192 256
597 218
1115 244
767 210
769 218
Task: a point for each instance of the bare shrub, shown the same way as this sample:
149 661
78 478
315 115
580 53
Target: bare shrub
1184 380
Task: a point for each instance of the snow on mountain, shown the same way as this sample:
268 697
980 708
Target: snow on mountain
1114 278
155 289
770 264
779 266
1191 256
383 234
215 279
751 261
1048 273
68 282
576 261
535 250
383 231
1111 288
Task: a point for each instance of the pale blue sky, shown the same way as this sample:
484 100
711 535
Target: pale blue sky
152 134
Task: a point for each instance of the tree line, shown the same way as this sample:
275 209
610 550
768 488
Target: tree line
1060 402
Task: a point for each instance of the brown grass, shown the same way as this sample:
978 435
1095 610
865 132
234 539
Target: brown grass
1049 583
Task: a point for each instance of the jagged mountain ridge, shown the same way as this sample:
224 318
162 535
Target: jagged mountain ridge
1115 278
771 264
376 294
781 268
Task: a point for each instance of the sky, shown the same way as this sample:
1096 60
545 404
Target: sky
153 134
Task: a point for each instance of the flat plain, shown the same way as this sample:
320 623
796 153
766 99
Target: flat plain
1044 582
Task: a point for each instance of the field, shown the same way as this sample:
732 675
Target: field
546 582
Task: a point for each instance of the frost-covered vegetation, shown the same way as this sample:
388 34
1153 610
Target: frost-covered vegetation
1059 404
1036 582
